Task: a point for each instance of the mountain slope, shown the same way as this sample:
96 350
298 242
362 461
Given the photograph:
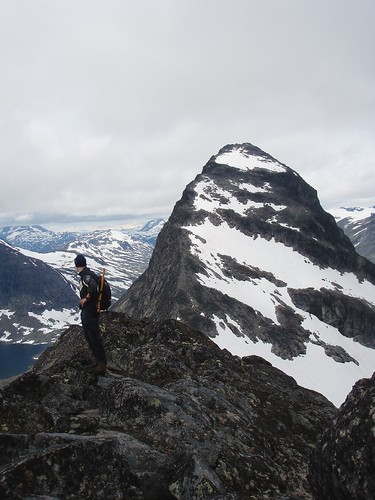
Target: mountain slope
123 257
35 300
359 225
175 418
249 257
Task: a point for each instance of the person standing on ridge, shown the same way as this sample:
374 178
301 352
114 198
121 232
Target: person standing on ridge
90 315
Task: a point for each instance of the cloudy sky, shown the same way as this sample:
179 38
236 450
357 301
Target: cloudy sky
110 107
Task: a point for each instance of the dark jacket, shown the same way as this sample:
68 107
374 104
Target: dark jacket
88 285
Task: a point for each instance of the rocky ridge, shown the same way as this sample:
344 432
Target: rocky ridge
343 462
176 417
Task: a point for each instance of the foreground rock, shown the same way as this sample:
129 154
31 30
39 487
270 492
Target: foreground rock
343 464
176 417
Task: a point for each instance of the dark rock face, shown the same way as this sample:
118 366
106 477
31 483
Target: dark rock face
175 417
343 462
353 318
30 286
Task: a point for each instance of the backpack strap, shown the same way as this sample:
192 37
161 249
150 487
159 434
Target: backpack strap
89 277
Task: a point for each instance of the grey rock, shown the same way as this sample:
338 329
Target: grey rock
343 462
175 417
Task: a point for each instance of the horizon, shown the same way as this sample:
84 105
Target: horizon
126 222
90 224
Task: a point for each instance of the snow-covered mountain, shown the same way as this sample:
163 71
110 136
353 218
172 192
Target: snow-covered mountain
36 238
250 257
149 232
124 254
359 224
36 302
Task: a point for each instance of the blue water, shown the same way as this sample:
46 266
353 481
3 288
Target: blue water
18 358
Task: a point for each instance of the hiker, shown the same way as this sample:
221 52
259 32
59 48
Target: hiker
90 315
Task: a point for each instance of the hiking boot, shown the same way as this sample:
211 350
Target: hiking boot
89 363
100 368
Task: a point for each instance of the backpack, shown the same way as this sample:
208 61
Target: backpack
104 292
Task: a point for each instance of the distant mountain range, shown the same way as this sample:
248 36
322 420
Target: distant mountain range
36 238
359 224
124 254
39 239
250 258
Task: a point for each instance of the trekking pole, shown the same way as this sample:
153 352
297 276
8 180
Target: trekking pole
101 290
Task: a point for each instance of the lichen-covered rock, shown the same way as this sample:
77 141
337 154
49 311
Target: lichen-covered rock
175 417
343 463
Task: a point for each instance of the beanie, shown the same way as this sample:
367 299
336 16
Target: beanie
80 261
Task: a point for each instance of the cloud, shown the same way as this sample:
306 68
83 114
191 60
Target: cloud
112 107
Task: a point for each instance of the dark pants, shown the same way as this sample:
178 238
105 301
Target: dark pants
91 331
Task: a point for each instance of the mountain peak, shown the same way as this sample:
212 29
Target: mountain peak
250 258
152 225
247 157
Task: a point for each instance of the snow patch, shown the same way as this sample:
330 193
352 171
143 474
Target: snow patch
238 158
6 312
5 337
210 197
56 319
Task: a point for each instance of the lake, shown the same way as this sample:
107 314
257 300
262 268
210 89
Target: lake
18 358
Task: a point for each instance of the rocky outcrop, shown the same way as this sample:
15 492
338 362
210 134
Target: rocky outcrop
175 417
352 317
343 462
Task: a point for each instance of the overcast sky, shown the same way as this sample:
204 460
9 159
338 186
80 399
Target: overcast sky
110 107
